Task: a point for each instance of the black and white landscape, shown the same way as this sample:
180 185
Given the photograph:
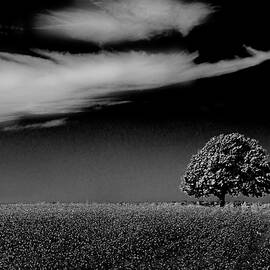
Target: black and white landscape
105 101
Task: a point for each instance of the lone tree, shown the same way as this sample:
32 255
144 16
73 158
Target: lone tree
228 164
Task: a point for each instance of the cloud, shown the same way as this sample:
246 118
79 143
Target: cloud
48 124
122 20
68 83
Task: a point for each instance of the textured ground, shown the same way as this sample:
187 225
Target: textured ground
130 236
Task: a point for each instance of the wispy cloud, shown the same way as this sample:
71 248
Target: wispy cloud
122 20
48 124
31 85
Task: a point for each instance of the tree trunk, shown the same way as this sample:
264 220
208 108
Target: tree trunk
222 200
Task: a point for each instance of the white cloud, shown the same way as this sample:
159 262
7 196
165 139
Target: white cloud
122 20
31 85
47 124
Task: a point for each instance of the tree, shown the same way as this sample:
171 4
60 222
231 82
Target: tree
228 164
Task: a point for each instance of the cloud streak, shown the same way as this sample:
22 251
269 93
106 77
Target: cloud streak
36 86
47 124
122 20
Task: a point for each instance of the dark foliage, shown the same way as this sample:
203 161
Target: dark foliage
228 164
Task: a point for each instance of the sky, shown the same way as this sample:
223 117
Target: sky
107 100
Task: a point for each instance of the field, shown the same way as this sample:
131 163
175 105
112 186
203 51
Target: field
134 236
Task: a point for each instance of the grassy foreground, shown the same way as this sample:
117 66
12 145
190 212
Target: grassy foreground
130 236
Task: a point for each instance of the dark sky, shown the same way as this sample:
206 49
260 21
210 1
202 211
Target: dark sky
136 151
108 158
233 24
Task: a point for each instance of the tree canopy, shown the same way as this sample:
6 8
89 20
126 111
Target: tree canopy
228 164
